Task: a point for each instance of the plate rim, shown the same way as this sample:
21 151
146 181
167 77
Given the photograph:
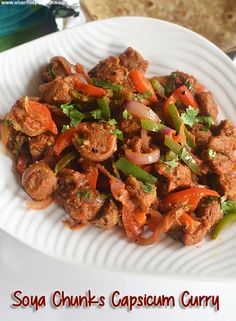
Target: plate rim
112 269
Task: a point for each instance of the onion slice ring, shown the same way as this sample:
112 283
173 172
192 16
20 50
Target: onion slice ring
39 205
143 158
140 111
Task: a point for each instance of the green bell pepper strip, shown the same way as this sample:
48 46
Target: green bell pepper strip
106 84
129 168
226 220
103 104
207 120
159 90
151 125
186 157
170 155
177 122
145 95
65 161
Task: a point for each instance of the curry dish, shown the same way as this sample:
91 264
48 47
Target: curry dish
116 148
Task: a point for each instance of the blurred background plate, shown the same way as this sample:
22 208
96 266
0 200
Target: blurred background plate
215 20
168 47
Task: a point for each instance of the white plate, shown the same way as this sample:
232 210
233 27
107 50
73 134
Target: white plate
168 47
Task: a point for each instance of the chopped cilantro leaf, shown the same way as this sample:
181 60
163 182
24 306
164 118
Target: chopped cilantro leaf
211 153
188 84
173 163
96 114
227 206
51 71
75 116
66 108
83 194
126 115
80 141
65 128
189 117
147 187
171 83
7 122
118 133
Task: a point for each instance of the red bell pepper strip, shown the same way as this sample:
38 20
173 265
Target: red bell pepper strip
90 90
186 220
132 227
41 112
64 140
189 196
92 177
184 95
79 68
141 84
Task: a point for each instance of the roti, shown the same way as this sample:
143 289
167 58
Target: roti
215 20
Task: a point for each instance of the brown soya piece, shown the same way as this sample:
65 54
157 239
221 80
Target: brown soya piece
205 217
116 68
107 217
212 14
179 177
75 193
222 162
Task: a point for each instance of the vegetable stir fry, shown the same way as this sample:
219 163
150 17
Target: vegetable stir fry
116 148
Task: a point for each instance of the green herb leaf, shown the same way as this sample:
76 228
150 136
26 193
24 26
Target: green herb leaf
173 163
118 133
227 206
80 141
7 122
188 84
171 83
51 71
112 122
83 194
96 114
103 103
189 117
211 153
66 108
147 187
65 128
126 115
75 116
145 95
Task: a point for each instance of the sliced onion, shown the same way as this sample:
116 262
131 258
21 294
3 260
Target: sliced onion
143 158
140 111
39 205
65 63
167 131
162 226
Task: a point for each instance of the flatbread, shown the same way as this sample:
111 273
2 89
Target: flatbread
214 19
